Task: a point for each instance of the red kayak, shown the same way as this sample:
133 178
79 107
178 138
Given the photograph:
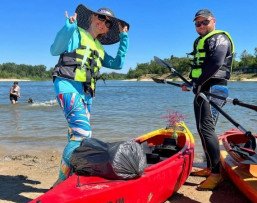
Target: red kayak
239 162
167 170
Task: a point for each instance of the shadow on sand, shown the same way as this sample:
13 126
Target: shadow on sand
226 192
12 187
228 189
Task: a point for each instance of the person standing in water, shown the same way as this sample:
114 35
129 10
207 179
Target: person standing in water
79 44
15 93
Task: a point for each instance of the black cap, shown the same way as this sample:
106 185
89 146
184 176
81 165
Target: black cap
203 13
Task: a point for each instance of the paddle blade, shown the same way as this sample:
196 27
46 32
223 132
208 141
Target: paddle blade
166 64
252 160
162 63
251 143
157 80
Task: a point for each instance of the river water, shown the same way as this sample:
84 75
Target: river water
121 110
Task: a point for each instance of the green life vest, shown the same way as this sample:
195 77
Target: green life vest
84 63
199 53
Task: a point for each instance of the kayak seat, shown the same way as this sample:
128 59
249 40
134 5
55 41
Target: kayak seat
170 141
152 158
167 149
155 154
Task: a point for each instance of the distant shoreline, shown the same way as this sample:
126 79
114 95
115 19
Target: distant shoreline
12 80
247 80
178 80
134 79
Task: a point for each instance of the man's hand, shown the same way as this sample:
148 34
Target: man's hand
185 87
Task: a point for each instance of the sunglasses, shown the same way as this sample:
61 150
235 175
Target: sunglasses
204 22
103 18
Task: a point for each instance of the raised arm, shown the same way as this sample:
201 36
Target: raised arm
118 61
67 38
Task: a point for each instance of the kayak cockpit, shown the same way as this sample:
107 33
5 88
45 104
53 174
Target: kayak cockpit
161 147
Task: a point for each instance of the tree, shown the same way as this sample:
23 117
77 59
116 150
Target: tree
247 60
12 70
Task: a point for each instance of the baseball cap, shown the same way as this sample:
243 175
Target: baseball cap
203 13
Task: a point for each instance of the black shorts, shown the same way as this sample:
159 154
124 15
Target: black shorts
13 97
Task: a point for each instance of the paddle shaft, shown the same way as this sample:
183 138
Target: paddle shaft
173 83
163 63
223 113
178 85
157 80
241 128
233 101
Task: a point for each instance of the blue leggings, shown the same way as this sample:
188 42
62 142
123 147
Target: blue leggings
77 114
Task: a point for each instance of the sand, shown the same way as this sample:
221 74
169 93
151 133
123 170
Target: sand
24 175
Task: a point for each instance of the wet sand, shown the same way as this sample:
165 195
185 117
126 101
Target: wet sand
24 175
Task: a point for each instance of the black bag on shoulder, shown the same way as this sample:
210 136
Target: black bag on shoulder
118 160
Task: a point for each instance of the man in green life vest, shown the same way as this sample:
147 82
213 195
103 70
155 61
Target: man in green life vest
79 45
211 67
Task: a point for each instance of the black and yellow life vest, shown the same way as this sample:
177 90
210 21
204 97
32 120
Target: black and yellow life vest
199 56
84 63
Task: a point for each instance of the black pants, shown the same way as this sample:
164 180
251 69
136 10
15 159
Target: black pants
205 124
13 97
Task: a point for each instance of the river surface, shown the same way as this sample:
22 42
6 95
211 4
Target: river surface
121 110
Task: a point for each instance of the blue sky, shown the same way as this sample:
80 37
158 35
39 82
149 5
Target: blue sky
158 27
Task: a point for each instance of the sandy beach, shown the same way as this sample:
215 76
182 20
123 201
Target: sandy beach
25 175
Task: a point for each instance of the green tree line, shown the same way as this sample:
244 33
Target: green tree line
23 71
181 64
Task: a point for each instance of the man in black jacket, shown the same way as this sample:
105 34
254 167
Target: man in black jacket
211 67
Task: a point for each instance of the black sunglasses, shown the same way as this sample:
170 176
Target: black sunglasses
108 23
204 22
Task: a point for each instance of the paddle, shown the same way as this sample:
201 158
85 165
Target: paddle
250 158
227 99
245 152
233 101
157 80
252 140
166 64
